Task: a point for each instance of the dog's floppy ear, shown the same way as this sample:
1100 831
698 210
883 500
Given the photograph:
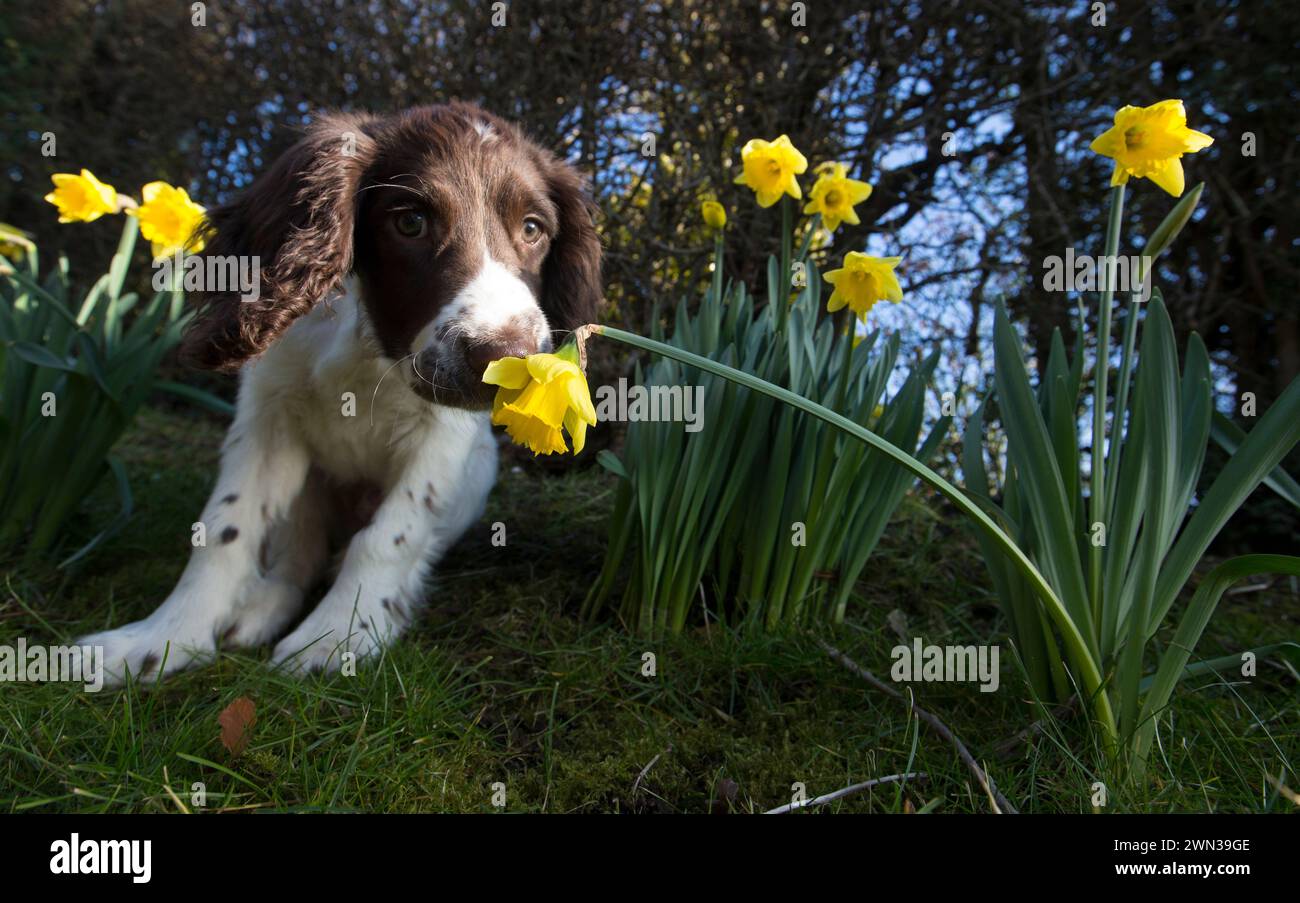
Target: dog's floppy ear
297 220
571 289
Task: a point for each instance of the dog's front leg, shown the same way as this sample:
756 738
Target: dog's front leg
262 469
380 585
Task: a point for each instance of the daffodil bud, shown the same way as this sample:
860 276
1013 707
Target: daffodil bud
715 215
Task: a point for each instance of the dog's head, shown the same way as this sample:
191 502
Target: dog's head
469 243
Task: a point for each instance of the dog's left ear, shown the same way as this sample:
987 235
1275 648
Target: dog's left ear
571 289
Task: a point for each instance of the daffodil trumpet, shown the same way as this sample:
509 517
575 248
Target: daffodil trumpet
541 396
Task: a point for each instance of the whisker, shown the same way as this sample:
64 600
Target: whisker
425 378
382 377
393 185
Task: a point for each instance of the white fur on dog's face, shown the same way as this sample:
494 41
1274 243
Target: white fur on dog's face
496 315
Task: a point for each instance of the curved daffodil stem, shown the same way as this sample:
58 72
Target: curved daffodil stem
1101 377
1079 655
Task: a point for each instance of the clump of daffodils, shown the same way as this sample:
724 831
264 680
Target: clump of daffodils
1148 142
538 396
770 168
169 220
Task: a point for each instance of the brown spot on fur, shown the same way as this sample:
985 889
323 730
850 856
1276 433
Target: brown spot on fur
148 664
229 535
397 609
230 499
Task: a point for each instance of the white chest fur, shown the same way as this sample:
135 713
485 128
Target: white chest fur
352 408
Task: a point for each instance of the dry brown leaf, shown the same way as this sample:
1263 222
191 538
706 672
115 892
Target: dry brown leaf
237 720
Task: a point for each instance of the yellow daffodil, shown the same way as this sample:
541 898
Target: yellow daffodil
81 198
540 394
834 194
1147 142
862 282
715 216
770 168
168 219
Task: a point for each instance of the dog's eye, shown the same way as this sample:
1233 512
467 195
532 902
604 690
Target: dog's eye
411 223
533 230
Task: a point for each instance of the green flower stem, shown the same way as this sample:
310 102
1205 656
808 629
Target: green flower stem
717 264
1121 396
1089 673
787 254
813 225
1097 495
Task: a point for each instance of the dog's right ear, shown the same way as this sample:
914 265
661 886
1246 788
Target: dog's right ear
294 223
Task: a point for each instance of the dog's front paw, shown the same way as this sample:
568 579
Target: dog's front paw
266 610
148 650
332 635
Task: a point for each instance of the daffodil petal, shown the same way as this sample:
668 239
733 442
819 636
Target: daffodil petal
577 428
509 372
1169 176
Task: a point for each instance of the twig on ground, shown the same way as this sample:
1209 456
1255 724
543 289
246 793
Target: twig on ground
651 764
1283 789
854 788
1000 802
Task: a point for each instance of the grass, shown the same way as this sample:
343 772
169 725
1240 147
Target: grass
499 682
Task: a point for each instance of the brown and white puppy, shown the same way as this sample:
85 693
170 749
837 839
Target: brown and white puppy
399 256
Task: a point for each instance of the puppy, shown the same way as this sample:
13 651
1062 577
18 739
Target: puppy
399 255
